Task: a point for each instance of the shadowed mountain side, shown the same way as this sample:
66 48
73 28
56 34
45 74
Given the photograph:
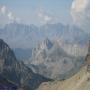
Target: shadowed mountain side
6 84
16 71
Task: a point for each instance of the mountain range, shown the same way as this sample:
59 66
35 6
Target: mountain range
27 36
54 49
48 52
23 38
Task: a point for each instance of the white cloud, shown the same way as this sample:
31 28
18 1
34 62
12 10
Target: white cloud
79 5
3 9
45 17
80 12
8 15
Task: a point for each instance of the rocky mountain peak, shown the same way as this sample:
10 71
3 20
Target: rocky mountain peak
46 44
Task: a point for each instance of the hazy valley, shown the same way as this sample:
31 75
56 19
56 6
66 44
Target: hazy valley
45 45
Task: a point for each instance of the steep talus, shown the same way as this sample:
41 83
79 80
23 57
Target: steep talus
80 81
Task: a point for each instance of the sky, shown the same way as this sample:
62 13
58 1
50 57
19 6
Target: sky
37 11
40 12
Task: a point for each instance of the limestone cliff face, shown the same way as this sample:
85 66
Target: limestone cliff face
16 71
80 81
51 60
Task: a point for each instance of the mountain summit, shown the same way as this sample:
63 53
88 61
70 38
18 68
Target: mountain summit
46 44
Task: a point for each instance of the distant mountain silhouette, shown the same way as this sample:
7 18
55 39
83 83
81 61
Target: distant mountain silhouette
28 36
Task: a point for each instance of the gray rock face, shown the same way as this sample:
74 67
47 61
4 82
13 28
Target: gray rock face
16 71
53 62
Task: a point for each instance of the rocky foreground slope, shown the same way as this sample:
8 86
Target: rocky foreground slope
80 81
